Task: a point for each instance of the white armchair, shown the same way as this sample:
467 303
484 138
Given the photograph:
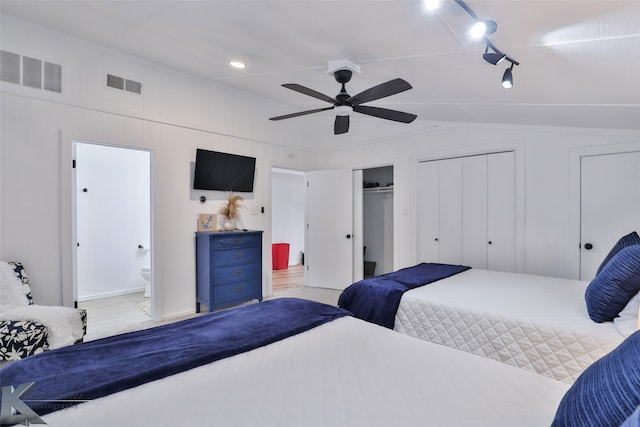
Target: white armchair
27 328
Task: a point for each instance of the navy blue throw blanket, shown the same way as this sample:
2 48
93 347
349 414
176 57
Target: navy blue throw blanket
98 368
376 299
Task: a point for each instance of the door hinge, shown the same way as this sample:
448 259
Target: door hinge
73 164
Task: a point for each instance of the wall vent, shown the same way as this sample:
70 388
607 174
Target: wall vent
9 67
30 72
124 84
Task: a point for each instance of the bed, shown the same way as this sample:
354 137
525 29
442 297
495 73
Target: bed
338 372
554 327
292 362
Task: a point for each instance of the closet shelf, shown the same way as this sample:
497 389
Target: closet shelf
388 189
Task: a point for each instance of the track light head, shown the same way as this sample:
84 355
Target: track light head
507 78
483 28
494 58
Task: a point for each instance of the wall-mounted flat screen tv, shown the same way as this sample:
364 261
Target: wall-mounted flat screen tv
223 171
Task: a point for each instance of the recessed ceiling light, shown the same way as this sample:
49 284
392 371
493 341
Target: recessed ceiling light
237 64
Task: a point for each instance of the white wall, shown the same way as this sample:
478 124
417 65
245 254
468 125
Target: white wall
175 115
289 196
543 160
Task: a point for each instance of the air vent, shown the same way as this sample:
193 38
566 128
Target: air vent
124 84
52 77
31 72
35 73
9 67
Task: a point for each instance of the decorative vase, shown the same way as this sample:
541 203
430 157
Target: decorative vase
229 224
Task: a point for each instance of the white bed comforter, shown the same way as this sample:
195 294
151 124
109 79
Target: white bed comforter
343 373
533 322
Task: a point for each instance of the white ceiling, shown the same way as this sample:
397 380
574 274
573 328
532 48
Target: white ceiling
579 59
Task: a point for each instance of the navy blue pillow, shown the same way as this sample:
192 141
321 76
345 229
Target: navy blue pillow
614 286
633 420
628 240
607 392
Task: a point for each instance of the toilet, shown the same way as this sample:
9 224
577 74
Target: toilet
145 272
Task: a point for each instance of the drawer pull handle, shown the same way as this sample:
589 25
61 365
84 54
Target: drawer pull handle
238 255
238 288
238 272
238 240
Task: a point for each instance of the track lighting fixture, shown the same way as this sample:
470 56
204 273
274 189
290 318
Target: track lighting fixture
431 4
493 58
480 30
483 28
507 78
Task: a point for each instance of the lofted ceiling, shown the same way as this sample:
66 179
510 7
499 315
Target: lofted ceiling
579 59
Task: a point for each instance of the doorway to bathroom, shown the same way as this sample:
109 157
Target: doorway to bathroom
113 235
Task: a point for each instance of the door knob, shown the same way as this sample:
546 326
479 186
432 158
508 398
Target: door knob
588 246
348 236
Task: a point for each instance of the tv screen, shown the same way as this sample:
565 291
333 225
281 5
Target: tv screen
223 171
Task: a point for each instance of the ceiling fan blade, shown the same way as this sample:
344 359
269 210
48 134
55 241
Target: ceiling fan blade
380 91
341 125
384 113
301 113
310 92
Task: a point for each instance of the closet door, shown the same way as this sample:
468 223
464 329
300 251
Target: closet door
429 211
474 211
501 212
450 237
610 205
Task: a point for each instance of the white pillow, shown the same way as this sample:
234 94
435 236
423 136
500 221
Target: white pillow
627 321
11 293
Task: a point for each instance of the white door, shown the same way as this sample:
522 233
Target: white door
113 219
450 238
428 211
329 259
467 211
474 212
610 205
501 212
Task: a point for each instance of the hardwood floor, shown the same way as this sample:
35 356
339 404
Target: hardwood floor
285 280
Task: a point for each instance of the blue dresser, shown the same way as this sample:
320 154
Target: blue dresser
228 268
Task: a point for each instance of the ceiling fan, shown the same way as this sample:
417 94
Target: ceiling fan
344 103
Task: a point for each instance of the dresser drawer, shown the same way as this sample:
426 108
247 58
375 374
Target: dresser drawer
236 273
237 239
223 258
245 290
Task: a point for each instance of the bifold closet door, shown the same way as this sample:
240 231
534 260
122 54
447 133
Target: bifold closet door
467 211
474 211
429 211
450 233
501 212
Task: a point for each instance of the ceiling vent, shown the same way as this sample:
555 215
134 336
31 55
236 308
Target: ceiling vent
124 84
31 72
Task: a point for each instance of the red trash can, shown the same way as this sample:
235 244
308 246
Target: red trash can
280 256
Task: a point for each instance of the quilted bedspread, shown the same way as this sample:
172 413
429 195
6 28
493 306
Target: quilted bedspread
533 322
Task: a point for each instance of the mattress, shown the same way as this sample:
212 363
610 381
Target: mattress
343 373
533 322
